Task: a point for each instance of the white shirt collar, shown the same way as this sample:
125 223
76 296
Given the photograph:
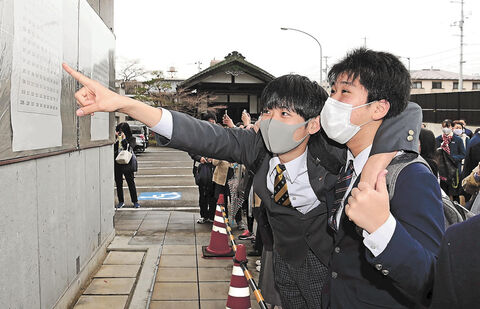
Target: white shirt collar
292 168
360 160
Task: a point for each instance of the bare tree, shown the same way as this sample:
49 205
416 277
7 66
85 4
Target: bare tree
156 93
128 70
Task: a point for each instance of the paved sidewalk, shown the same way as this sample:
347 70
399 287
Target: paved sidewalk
173 240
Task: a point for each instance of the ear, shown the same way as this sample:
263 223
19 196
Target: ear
314 125
381 109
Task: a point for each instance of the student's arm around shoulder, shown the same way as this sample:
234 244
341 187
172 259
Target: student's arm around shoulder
410 256
193 135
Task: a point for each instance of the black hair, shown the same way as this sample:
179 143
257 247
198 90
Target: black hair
477 130
296 93
447 123
208 115
427 148
125 128
458 122
382 74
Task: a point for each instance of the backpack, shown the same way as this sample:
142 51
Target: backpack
453 212
203 174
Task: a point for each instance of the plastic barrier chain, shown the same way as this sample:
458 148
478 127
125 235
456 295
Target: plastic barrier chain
243 265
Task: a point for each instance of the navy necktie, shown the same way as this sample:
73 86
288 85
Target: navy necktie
341 186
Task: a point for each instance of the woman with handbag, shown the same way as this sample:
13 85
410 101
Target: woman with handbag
125 163
452 149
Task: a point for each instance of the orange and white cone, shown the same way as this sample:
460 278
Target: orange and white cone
218 246
239 292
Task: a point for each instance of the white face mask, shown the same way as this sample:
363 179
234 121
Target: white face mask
335 120
457 132
446 131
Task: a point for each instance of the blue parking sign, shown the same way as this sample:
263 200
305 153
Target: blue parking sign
160 196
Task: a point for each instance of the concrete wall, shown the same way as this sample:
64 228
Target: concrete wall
54 211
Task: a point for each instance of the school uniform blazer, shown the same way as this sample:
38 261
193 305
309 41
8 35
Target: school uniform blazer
294 233
402 275
457 276
457 149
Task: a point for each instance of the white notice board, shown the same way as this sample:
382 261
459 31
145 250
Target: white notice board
36 75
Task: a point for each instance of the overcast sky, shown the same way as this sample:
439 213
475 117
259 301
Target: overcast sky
180 33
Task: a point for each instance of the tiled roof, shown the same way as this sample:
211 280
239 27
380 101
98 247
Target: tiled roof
427 74
233 58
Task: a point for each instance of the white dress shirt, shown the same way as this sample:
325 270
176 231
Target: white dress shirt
165 126
378 240
300 191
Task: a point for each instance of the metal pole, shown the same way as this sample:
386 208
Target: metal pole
319 45
460 79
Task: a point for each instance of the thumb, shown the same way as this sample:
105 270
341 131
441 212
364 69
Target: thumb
87 110
381 185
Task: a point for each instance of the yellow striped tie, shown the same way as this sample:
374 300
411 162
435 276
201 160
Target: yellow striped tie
280 191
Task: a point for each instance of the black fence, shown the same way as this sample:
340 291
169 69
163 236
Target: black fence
449 105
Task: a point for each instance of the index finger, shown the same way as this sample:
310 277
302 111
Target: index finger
82 79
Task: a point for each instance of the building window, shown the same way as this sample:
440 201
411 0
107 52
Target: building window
417 85
455 85
436 85
476 86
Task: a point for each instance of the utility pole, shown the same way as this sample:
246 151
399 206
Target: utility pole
460 24
365 42
199 63
326 64
460 80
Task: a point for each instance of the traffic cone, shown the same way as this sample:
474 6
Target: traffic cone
239 292
218 246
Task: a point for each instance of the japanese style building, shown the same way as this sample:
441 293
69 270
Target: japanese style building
232 82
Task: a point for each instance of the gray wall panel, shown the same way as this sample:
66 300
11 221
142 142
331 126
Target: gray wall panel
91 207
107 185
19 282
52 220
75 199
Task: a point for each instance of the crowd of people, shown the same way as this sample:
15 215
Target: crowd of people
349 214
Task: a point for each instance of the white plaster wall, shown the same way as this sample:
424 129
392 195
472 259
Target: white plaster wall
247 79
218 78
53 211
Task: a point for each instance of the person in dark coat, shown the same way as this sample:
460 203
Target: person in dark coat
457 275
127 141
453 146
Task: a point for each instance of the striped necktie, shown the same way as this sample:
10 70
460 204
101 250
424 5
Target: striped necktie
280 191
341 186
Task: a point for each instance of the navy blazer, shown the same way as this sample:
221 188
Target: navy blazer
402 275
457 149
457 277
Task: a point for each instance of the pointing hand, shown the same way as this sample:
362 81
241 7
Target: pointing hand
93 97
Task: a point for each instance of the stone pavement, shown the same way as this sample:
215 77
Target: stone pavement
171 240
